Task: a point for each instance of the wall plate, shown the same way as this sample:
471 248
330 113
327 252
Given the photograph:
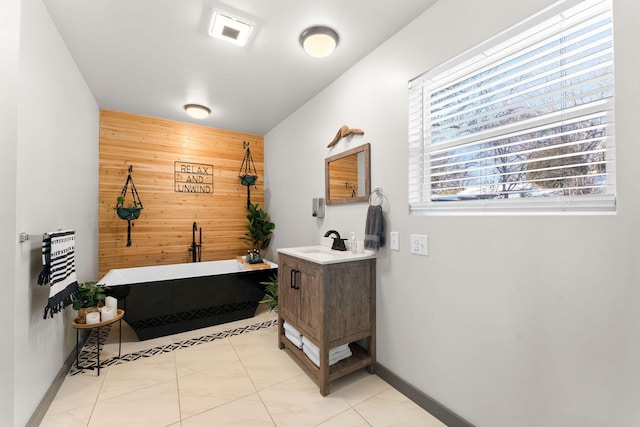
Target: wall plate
419 244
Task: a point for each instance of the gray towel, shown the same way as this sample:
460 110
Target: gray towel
374 228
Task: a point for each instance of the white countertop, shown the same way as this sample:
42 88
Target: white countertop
322 255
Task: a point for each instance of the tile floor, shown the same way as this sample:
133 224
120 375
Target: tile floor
226 375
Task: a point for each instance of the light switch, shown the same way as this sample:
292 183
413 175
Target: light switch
420 244
394 244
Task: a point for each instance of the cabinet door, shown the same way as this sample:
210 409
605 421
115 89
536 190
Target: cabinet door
287 296
348 293
311 299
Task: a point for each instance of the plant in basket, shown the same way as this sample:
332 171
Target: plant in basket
89 297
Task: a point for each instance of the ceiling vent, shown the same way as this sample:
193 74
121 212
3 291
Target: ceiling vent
230 27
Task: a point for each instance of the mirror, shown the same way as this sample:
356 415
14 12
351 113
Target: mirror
347 178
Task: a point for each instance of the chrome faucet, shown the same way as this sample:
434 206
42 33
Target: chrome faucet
338 242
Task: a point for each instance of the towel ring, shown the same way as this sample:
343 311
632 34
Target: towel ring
376 194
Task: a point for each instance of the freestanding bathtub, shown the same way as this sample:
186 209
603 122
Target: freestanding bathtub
167 299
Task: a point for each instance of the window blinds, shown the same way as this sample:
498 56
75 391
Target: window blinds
522 123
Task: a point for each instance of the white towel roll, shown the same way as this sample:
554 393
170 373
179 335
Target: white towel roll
293 331
297 341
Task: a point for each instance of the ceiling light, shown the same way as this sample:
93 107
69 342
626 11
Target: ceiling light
197 111
231 28
319 41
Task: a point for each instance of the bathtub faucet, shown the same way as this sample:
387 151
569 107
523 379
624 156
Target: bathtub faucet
195 249
338 242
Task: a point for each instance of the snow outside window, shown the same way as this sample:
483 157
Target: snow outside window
523 123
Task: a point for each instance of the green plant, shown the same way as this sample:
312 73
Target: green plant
259 228
89 294
271 292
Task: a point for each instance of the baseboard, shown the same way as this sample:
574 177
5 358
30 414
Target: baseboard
45 402
444 414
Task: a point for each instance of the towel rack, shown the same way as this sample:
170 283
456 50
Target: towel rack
23 237
376 194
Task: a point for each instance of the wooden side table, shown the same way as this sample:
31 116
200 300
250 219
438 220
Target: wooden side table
78 326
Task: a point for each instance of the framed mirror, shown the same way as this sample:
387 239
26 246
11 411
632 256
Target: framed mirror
347 176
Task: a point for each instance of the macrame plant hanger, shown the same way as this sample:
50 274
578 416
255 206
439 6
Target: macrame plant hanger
248 174
129 213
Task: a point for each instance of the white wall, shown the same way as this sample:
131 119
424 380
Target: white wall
9 52
56 186
510 321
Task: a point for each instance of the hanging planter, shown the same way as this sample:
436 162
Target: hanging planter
129 213
248 180
133 210
248 174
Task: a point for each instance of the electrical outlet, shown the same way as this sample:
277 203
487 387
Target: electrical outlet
394 243
420 244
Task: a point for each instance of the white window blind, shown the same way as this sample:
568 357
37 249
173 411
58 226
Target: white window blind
522 123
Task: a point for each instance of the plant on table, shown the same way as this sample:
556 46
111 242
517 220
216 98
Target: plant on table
89 296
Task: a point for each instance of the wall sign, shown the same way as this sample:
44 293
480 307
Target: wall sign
192 177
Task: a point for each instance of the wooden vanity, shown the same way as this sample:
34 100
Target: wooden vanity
330 299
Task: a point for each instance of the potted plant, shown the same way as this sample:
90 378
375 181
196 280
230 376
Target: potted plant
271 293
129 212
89 297
259 228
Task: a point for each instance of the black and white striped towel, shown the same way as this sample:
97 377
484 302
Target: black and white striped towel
58 269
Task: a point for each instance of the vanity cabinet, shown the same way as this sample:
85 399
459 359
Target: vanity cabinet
330 304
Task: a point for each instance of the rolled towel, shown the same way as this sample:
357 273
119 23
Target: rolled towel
374 228
335 354
315 359
295 340
293 331
311 346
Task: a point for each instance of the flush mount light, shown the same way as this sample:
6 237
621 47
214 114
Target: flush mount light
231 28
319 41
197 111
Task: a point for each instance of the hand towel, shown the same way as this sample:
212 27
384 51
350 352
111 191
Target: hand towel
374 228
335 354
315 358
58 269
296 340
293 331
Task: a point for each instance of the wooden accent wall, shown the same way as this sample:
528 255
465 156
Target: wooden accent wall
163 233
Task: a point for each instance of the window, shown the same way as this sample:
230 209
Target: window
523 123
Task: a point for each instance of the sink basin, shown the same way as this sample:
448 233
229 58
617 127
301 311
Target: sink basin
323 255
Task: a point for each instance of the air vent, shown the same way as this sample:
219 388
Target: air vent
232 33
230 27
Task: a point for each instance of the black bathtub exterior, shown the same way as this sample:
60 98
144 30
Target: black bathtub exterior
155 309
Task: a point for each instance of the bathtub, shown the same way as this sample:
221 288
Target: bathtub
167 299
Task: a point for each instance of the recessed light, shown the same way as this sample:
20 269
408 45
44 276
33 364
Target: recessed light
319 41
197 111
230 27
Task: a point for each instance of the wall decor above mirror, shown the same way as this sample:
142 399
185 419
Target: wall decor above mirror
347 176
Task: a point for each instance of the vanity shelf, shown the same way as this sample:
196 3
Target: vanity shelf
331 304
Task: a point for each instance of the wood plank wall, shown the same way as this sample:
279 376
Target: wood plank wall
163 233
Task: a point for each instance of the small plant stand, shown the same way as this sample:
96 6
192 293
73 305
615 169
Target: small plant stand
78 326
